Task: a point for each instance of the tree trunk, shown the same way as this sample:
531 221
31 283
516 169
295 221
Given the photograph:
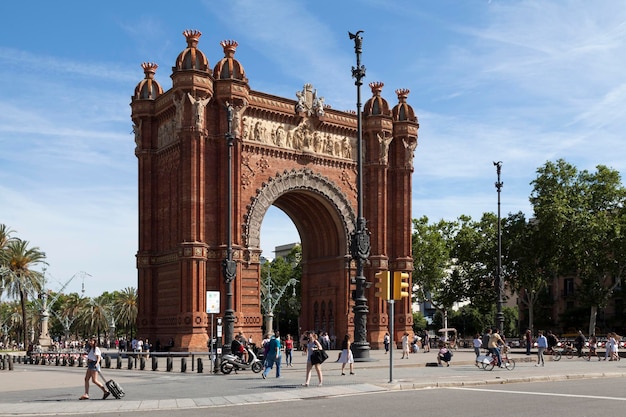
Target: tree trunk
531 316
592 320
24 324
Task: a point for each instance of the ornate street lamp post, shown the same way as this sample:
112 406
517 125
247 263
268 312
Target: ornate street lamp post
229 267
360 239
271 298
499 281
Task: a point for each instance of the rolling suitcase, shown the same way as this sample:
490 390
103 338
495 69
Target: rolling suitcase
114 388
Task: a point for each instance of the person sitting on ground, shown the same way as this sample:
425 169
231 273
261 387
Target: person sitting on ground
444 354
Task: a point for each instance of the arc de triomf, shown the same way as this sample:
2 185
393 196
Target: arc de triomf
296 154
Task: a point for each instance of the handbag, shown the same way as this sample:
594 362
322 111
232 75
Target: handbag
318 356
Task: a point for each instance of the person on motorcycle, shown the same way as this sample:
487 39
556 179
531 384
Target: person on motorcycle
238 348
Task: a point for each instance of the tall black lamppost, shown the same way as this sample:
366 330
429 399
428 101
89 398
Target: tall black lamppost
229 267
499 281
360 239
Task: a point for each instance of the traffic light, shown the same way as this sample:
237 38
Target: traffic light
382 283
400 288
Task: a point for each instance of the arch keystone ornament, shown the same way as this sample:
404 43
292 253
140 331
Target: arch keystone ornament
210 146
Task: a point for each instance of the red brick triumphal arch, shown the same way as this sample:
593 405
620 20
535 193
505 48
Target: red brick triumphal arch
296 154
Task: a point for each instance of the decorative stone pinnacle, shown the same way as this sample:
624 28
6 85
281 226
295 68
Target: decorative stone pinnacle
402 94
377 87
230 47
149 68
192 36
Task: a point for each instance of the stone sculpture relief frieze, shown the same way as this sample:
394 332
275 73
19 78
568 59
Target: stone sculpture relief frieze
302 137
166 133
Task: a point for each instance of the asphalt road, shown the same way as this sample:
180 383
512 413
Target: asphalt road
574 398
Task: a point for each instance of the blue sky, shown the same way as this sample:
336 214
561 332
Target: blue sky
521 82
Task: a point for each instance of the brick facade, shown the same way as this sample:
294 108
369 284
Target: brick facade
298 155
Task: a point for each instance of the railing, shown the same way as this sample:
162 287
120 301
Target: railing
134 360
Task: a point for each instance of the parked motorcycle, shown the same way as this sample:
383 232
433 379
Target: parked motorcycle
232 362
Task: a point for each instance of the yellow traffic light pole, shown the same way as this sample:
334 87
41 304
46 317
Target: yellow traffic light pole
397 291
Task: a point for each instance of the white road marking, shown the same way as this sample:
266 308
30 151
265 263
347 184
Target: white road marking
546 394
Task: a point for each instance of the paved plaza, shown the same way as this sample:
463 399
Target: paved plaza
50 389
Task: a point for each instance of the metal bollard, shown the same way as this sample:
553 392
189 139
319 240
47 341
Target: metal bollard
118 365
200 366
4 361
170 364
80 361
57 361
11 364
64 361
107 361
183 364
142 363
130 363
155 363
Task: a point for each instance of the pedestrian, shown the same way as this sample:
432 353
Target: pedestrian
542 345
405 345
486 337
273 356
425 342
94 355
593 346
304 339
386 341
579 343
615 352
477 345
611 347
528 337
289 350
312 345
346 355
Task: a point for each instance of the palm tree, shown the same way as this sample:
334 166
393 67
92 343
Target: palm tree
20 279
5 238
96 316
70 307
126 309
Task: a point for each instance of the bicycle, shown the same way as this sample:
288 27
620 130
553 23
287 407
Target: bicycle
556 355
507 363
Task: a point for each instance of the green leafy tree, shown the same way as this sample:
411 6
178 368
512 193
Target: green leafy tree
475 252
434 277
527 267
580 214
419 322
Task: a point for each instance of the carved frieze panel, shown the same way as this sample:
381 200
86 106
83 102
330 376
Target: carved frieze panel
302 137
167 133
